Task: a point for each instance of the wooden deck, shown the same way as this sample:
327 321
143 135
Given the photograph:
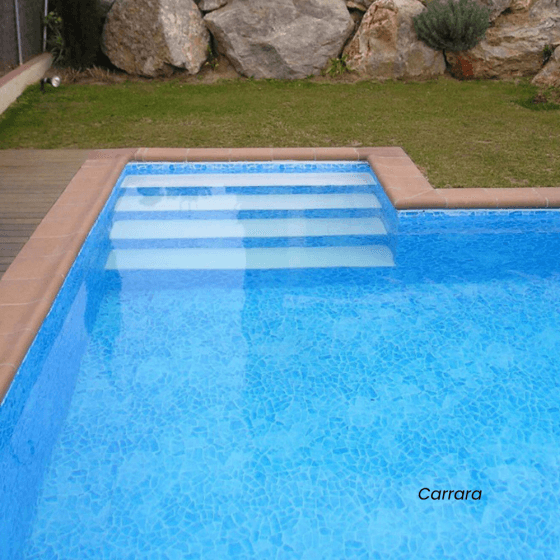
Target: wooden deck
30 183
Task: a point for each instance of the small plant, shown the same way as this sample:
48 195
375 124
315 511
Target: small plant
55 38
337 66
212 61
547 52
452 25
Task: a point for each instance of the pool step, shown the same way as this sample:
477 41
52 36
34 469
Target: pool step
246 202
204 229
238 221
246 180
365 256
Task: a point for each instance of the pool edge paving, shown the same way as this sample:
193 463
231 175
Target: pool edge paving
31 283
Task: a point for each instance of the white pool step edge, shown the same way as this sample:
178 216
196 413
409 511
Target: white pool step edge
364 256
247 180
246 202
261 228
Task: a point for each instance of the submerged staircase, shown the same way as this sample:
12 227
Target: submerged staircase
235 221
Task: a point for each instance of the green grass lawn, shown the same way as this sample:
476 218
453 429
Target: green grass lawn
461 134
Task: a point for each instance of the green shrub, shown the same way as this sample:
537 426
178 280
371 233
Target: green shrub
55 38
452 25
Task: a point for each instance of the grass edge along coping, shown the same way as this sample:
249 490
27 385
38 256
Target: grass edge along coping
460 134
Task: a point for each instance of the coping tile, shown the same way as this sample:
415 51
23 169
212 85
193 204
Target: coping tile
86 178
13 348
79 197
323 154
470 198
403 187
32 267
519 198
250 154
400 169
44 247
393 162
60 212
61 228
390 151
305 154
139 154
99 162
13 292
112 153
165 154
551 194
15 318
8 341
423 200
364 153
209 154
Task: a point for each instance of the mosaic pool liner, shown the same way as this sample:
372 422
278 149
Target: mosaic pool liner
31 283
496 291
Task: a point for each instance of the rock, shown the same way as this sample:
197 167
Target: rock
496 7
386 45
539 8
103 7
521 5
357 17
357 10
513 46
549 76
361 5
211 5
147 37
285 39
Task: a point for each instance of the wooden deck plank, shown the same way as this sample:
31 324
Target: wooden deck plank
30 183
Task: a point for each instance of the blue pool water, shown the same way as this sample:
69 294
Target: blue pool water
281 379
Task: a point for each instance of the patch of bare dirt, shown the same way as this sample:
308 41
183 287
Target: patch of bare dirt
221 69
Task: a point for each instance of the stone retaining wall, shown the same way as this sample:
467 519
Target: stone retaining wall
290 39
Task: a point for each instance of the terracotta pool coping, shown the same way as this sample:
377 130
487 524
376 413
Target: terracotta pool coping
31 283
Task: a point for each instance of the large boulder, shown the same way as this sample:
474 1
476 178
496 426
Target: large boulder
148 37
513 46
285 39
386 45
550 74
210 5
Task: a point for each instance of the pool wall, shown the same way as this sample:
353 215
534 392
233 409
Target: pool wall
32 417
30 285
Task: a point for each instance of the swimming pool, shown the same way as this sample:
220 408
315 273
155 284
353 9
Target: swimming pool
174 410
